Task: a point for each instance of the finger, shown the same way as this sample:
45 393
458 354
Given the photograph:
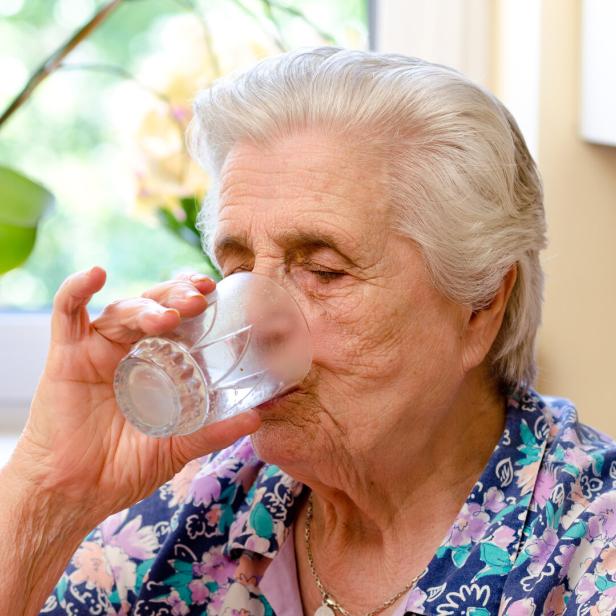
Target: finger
69 318
214 437
205 284
128 320
182 295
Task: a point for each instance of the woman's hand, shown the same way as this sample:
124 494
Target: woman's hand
77 445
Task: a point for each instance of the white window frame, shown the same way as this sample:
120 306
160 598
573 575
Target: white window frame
24 339
494 42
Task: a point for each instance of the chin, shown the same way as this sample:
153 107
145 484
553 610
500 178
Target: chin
286 435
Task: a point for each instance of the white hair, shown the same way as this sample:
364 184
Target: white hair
460 178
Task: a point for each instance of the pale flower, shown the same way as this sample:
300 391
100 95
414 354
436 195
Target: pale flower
178 606
503 536
586 588
543 487
237 599
578 458
606 606
180 484
469 526
564 559
494 500
583 556
184 65
522 607
607 564
526 477
199 592
92 567
124 570
540 549
602 523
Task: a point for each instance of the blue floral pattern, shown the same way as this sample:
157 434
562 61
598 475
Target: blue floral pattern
537 534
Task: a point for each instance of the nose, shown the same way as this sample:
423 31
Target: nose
276 269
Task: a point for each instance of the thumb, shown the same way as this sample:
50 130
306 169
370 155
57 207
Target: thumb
69 318
213 437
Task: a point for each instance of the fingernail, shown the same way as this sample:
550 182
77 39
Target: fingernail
199 278
192 294
170 310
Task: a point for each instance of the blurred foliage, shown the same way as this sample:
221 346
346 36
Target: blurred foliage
22 204
105 133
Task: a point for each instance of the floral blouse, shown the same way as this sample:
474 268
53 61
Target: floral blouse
537 534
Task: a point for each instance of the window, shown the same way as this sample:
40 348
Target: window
104 133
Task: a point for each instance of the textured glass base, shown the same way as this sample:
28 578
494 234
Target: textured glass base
160 388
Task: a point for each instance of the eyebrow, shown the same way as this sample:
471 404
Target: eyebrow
290 241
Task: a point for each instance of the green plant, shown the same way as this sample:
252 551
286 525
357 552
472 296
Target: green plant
170 187
22 203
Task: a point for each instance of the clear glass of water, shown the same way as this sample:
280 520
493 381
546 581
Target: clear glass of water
251 345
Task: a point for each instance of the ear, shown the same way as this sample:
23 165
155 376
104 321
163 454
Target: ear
483 325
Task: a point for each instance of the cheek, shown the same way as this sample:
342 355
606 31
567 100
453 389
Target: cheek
356 334
380 339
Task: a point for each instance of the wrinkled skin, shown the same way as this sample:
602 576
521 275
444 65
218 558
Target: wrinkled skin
398 380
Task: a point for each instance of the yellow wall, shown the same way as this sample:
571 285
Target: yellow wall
577 348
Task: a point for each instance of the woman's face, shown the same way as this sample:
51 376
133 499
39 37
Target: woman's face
388 347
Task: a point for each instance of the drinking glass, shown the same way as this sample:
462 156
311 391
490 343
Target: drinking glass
249 346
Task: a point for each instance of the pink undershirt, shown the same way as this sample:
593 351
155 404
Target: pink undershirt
280 587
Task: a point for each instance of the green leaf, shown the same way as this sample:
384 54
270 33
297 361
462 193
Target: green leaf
572 470
191 208
492 571
228 494
267 608
503 512
603 583
527 436
16 244
261 521
460 554
185 230
143 568
180 582
22 200
558 515
61 587
521 559
22 203
182 566
597 464
271 470
114 597
549 512
226 518
477 611
575 531
494 556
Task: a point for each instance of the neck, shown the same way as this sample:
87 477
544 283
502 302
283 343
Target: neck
405 491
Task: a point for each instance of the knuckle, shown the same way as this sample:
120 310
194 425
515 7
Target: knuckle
63 290
114 307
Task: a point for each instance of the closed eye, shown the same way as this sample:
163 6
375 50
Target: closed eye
326 275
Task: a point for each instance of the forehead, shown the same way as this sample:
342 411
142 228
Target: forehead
306 181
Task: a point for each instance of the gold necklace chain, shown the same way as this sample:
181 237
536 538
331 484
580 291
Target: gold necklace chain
330 606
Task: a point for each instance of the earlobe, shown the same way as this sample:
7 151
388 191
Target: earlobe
485 323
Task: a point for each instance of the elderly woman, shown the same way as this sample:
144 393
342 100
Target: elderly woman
415 470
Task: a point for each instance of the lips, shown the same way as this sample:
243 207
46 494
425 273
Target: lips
271 403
